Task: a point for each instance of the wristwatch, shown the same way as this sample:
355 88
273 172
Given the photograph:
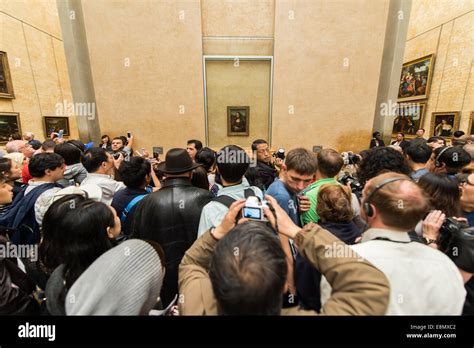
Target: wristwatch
429 241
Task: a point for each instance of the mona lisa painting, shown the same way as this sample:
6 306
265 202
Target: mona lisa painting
238 120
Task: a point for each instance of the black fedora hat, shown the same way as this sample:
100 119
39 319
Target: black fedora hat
177 161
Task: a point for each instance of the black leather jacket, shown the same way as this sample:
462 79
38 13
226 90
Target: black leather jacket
170 217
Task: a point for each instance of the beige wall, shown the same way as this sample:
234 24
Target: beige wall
146 60
147 73
445 29
317 100
30 34
247 84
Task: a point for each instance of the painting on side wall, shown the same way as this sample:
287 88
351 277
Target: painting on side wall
444 124
54 124
9 124
415 80
6 86
409 119
238 120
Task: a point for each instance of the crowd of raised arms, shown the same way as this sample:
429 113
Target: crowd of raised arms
106 229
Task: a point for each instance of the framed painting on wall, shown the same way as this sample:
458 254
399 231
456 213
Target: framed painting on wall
415 80
6 86
409 119
444 124
9 124
53 124
238 120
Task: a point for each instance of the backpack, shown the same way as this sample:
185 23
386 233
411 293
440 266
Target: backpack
20 217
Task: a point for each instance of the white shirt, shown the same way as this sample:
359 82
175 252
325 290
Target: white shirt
423 281
213 212
43 201
108 185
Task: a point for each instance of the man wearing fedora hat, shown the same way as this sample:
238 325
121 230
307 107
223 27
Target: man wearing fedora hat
171 215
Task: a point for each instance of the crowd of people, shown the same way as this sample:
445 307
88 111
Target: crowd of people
115 231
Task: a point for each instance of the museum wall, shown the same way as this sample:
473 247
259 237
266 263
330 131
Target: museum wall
247 84
445 29
146 62
325 75
31 35
327 68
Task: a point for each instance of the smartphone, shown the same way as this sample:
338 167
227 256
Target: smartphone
61 133
129 134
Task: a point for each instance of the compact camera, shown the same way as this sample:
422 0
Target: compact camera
280 153
253 209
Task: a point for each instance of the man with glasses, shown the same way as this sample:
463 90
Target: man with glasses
267 169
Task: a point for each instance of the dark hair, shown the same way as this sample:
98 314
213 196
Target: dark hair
381 159
443 192
93 159
43 161
197 144
16 136
48 145
301 161
435 139
70 151
330 162
418 152
252 282
133 173
458 133
5 166
254 178
74 233
453 157
403 135
374 134
232 163
334 203
206 157
108 139
199 178
258 142
422 129
124 140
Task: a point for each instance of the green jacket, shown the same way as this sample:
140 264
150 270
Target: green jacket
312 193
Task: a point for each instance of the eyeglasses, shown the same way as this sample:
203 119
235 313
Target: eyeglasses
263 151
466 181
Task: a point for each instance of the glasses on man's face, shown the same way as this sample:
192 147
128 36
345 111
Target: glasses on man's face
466 181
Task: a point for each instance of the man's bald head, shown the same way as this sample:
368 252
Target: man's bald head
400 204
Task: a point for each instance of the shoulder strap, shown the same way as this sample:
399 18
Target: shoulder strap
249 192
225 200
129 207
